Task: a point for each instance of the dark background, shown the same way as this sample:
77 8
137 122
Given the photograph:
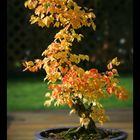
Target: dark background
113 36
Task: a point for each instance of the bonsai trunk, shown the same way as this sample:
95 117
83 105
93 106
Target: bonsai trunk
80 110
84 113
91 126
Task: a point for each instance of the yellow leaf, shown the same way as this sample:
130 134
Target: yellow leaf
47 103
115 61
33 19
42 16
47 94
93 26
84 121
40 23
29 63
31 4
72 111
87 57
56 24
26 4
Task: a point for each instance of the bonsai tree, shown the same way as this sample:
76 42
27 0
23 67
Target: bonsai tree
80 89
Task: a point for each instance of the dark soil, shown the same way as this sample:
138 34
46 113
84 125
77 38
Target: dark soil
80 134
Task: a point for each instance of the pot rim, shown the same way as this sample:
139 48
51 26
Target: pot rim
38 136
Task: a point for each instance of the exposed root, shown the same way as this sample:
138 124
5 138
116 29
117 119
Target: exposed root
81 133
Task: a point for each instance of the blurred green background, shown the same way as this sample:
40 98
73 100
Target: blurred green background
28 93
113 37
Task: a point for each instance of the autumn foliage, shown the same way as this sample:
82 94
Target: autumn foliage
81 90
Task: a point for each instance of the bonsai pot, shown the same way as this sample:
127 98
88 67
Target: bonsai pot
44 134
